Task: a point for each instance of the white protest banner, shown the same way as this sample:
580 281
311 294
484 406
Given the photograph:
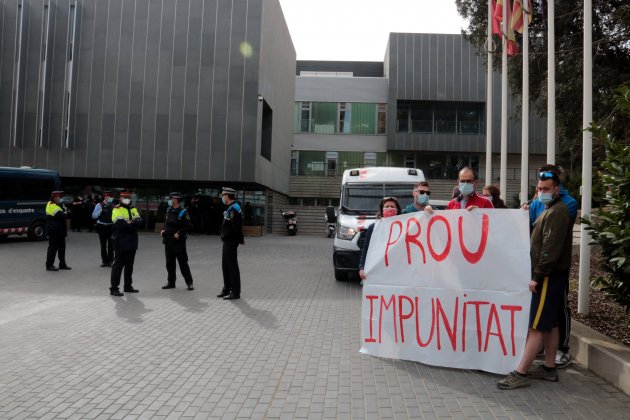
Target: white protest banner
449 289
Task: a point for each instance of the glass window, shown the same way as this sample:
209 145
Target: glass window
324 117
402 118
311 163
410 161
294 162
331 163
305 117
445 118
469 119
369 159
421 118
363 118
345 111
382 119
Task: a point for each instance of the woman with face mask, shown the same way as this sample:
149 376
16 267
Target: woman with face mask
389 207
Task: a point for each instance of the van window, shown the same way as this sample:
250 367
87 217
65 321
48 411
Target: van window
14 188
365 199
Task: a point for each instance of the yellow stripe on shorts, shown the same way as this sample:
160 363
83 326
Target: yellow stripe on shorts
543 294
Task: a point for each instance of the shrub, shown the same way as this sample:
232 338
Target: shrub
610 226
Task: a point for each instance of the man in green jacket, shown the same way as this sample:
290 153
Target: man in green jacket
550 255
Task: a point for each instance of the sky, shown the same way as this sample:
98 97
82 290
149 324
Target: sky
357 30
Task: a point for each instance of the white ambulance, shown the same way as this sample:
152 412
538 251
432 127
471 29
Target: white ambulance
361 193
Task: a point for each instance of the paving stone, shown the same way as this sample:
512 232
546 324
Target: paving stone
287 349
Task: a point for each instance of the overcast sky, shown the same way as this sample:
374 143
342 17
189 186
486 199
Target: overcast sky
357 30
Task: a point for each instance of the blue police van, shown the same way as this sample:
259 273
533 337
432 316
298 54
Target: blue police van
24 193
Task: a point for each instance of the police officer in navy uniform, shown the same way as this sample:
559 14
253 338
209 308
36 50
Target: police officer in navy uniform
104 226
126 219
176 226
57 230
232 236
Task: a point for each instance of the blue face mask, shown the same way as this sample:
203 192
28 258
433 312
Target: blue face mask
169 202
545 198
466 189
422 199
110 200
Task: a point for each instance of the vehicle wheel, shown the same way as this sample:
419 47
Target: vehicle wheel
37 231
341 275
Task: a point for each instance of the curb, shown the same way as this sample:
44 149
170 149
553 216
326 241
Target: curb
603 356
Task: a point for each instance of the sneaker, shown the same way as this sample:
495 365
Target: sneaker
540 372
513 380
563 359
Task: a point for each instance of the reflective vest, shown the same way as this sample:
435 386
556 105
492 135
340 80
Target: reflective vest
52 208
121 212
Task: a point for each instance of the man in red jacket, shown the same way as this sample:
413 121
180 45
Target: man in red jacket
468 198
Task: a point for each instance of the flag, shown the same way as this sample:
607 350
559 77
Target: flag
517 15
497 16
497 19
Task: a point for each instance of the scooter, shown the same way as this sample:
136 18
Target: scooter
331 221
290 218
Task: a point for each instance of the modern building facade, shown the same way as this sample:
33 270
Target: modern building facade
191 95
423 107
149 94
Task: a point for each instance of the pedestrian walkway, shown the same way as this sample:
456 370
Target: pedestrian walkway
287 349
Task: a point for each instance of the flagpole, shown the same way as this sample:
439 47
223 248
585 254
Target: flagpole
587 160
551 83
525 96
504 110
488 179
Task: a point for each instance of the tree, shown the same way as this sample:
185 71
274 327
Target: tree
610 226
611 65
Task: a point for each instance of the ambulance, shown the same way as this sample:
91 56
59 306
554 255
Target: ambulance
362 190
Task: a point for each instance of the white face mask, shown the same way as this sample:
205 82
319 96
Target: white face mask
224 199
126 201
170 203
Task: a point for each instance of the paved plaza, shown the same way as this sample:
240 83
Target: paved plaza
287 349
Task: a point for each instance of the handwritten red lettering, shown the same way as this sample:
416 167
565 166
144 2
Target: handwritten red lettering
414 239
384 307
451 332
418 337
494 316
403 316
512 309
447 248
478 318
371 298
389 242
474 257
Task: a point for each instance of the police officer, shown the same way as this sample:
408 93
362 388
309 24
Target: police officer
126 220
57 232
174 235
103 215
232 236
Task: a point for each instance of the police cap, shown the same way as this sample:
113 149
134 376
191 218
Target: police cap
176 195
228 191
56 193
108 193
125 193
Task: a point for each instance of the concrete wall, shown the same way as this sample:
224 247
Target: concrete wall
441 67
341 89
277 87
161 89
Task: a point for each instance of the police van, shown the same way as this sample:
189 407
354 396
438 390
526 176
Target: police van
361 193
24 193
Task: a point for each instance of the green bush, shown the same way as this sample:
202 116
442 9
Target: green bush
610 226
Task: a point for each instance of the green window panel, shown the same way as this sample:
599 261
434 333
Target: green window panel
363 118
296 117
324 117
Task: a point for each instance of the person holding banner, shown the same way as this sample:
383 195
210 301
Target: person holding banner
389 207
550 255
421 193
468 198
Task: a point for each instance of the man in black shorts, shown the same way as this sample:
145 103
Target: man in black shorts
550 254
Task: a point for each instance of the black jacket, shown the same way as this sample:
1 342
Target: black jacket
366 245
232 228
176 221
125 234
